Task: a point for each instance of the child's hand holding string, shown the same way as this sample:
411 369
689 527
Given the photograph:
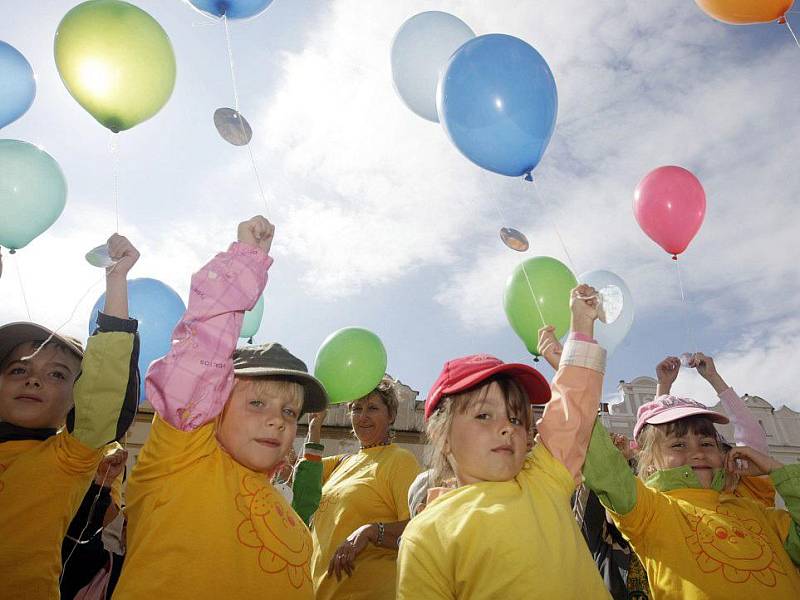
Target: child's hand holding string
124 255
584 305
257 232
708 371
666 374
745 461
549 346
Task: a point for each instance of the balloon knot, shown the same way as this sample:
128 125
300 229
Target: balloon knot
674 257
528 176
250 341
12 251
782 20
535 359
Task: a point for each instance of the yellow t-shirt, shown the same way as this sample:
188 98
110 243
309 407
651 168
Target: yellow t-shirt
509 539
202 526
699 544
368 487
42 484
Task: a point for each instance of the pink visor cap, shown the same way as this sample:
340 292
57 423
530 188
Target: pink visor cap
666 409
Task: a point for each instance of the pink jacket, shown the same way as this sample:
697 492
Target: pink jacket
568 420
747 431
190 385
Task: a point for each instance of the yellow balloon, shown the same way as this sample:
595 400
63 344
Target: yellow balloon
745 12
116 61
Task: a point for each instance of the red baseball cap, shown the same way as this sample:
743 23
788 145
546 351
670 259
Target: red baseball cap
463 373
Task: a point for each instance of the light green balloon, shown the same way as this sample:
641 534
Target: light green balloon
252 320
116 61
551 282
33 192
350 364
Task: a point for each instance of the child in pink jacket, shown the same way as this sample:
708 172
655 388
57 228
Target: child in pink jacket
204 520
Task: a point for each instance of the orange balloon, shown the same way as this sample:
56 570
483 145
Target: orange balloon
745 12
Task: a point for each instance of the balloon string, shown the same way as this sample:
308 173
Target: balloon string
789 27
230 62
239 114
114 148
689 333
80 535
552 224
22 289
67 322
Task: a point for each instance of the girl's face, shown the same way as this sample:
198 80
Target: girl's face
486 443
700 451
370 419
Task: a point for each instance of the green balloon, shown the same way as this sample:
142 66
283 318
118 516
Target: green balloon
350 364
551 282
252 319
33 192
116 61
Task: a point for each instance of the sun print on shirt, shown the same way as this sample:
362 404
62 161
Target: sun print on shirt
272 528
734 545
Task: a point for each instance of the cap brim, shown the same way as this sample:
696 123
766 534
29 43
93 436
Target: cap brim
681 412
315 399
534 383
14 334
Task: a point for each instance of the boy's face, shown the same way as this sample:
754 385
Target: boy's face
486 443
37 392
259 423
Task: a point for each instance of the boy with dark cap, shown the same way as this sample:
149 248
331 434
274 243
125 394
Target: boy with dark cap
46 380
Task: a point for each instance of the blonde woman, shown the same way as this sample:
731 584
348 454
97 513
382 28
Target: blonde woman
364 507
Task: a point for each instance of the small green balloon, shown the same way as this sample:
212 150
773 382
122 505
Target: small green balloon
116 61
551 282
33 192
350 364
252 320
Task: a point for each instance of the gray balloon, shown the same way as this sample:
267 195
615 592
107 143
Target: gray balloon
514 239
232 126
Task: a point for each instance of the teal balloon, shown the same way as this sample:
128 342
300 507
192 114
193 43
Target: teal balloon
252 320
350 364
551 283
33 192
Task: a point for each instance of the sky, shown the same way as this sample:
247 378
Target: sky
381 223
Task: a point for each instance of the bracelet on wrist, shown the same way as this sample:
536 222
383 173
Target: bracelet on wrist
381 533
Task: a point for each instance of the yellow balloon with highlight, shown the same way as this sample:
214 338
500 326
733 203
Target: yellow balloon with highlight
116 61
745 12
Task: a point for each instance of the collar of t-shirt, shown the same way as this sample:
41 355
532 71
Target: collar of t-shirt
13 433
683 477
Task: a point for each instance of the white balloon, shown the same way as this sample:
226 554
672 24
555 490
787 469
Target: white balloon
420 49
610 335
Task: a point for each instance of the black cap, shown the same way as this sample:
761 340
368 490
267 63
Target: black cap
272 359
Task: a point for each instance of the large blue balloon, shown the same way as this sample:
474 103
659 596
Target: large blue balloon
158 309
497 101
231 9
17 84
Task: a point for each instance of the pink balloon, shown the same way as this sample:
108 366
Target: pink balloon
669 205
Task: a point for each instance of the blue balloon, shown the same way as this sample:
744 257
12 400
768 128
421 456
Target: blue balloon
497 101
18 86
158 309
232 9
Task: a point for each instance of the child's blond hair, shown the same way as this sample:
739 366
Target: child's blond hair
441 421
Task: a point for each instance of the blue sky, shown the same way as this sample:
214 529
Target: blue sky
382 223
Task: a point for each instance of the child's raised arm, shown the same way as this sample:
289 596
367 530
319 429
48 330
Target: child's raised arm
107 392
747 431
568 418
190 385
